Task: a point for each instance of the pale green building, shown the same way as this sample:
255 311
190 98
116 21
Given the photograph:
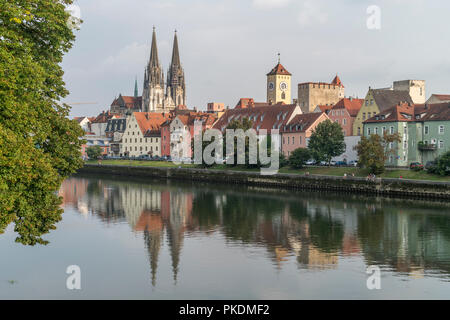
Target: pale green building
424 132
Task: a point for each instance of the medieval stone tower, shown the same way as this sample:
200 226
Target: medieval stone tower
155 96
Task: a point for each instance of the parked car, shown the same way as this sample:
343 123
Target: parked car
333 163
341 163
430 164
416 166
353 163
310 162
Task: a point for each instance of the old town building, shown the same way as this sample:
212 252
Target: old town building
344 112
424 131
313 94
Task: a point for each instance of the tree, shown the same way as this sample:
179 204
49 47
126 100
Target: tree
94 152
299 157
375 150
443 164
39 145
244 124
327 141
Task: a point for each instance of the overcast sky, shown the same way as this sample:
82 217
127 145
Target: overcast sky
228 46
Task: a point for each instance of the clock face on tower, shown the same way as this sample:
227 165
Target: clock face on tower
283 86
271 86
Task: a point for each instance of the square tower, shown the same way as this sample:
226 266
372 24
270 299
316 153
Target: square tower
279 85
415 88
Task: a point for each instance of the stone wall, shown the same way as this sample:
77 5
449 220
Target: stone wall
389 187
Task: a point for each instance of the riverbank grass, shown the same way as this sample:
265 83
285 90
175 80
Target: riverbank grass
327 171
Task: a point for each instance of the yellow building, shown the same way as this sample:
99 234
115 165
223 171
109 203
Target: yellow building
279 85
376 101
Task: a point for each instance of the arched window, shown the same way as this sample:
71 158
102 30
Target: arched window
283 96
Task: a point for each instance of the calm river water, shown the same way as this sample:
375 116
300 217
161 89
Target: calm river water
169 240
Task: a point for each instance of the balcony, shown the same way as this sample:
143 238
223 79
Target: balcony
427 146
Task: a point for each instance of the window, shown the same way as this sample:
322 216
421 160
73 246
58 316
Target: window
441 144
384 130
426 130
288 140
368 131
391 130
359 131
364 116
293 140
441 129
367 103
376 130
344 121
300 140
369 115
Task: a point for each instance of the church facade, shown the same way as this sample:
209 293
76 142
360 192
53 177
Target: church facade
158 95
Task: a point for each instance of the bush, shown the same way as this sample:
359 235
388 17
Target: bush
283 161
94 152
443 164
299 157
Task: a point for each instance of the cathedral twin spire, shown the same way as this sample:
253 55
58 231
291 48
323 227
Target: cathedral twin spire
153 97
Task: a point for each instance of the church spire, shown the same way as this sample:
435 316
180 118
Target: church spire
175 52
136 93
154 61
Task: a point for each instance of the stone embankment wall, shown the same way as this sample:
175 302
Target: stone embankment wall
390 187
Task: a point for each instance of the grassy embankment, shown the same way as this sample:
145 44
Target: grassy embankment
331 171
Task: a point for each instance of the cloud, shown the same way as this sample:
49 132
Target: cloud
269 4
311 13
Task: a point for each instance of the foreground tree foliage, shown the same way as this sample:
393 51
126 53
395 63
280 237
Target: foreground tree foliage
39 145
374 151
327 141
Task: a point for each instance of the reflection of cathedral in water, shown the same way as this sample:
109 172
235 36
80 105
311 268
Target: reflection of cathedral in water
308 229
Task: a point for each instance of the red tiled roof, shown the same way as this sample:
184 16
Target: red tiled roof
442 97
150 122
302 122
266 117
249 103
325 108
103 117
279 69
400 112
351 105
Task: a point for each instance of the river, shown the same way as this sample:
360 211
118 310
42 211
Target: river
136 239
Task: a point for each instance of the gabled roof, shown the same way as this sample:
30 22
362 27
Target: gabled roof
437 112
442 97
401 112
150 121
350 104
103 117
127 102
386 99
279 69
302 122
266 117
325 108
249 103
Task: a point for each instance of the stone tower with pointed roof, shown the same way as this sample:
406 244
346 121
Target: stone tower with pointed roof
153 97
176 85
279 85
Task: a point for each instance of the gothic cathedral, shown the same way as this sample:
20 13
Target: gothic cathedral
155 96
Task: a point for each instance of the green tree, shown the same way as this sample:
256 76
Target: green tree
94 152
299 157
327 141
244 124
39 145
443 164
375 150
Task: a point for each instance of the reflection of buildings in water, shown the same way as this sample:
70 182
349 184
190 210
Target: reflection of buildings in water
73 192
161 212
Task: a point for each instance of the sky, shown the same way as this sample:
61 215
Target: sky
228 46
